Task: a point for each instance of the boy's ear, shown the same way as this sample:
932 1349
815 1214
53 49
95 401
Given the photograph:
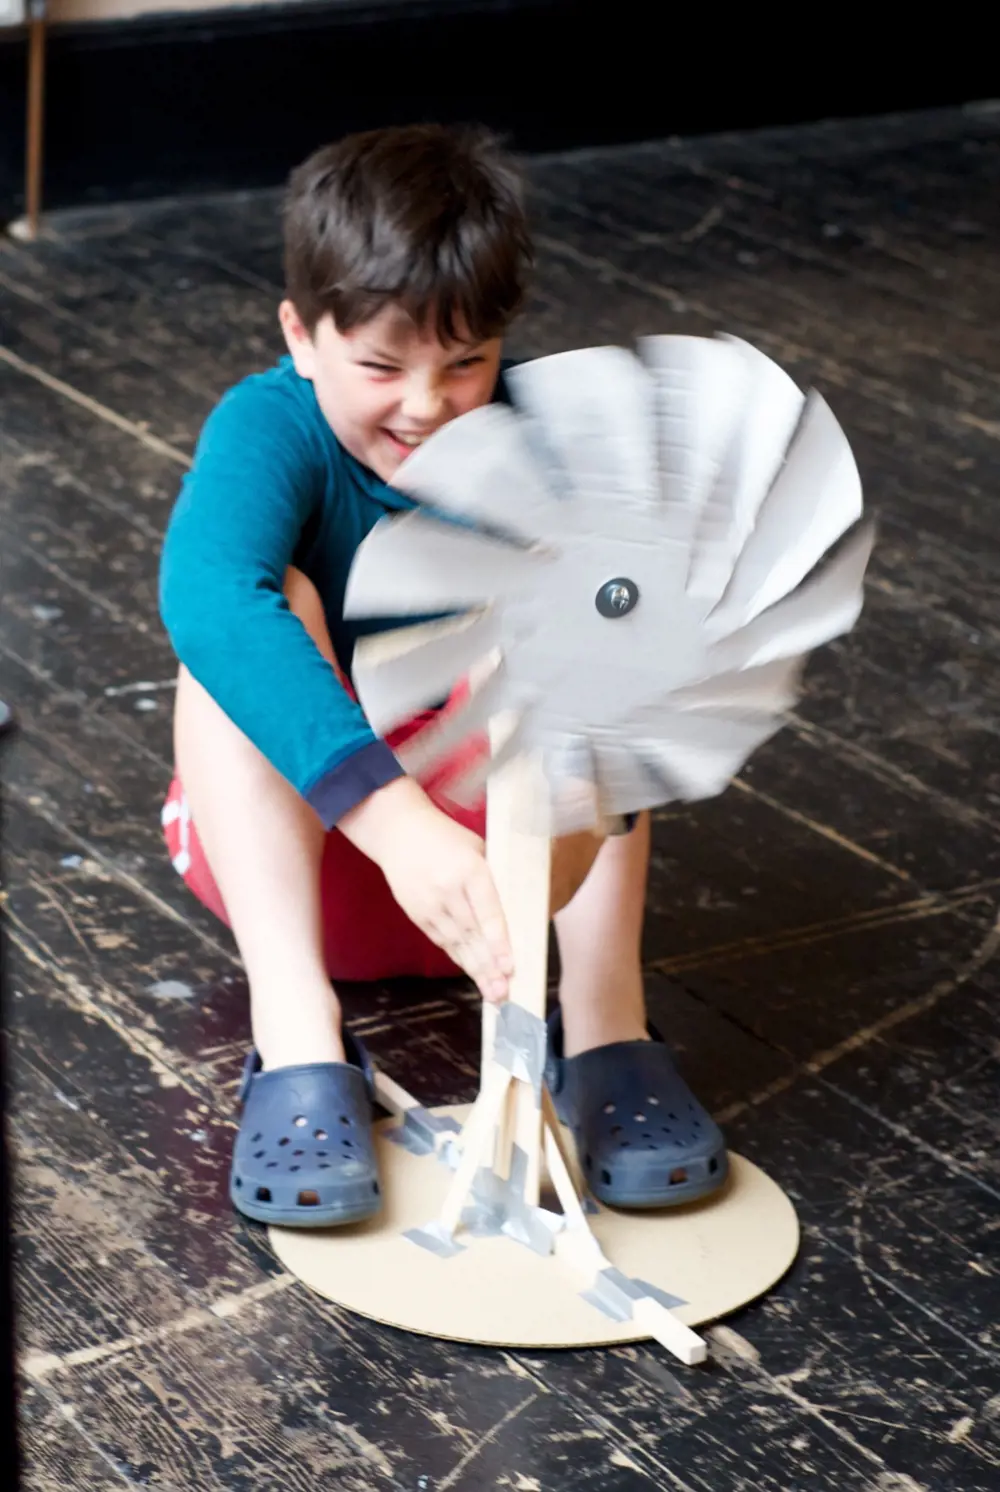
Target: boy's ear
298 340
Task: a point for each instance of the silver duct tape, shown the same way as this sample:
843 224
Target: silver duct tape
420 1128
498 1206
534 1228
519 1045
613 1293
436 1239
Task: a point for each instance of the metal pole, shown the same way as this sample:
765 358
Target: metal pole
36 114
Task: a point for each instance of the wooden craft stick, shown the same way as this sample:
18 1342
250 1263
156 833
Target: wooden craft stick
559 1167
671 1333
392 1096
479 1138
521 865
578 1247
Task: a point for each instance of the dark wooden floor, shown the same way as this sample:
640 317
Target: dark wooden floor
822 941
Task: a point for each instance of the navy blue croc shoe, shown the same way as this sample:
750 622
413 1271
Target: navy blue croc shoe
305 1153
643 1138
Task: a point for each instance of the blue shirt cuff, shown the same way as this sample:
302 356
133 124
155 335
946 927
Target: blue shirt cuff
351 781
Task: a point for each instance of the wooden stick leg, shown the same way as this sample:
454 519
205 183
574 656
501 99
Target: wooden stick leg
392 1096
480 1139
521 865
559 1168
578 1248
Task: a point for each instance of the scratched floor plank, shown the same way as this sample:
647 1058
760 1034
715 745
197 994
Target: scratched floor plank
819 945
936 1078
882 348
835 1370
57 1454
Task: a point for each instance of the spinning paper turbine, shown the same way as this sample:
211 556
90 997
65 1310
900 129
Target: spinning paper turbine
638 542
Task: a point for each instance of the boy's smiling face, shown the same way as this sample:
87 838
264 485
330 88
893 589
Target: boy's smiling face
386 385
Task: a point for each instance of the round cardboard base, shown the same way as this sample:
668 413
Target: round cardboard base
716 1255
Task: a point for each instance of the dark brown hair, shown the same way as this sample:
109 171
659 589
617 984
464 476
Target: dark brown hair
426 217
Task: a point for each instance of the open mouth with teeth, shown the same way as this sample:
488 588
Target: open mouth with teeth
403 441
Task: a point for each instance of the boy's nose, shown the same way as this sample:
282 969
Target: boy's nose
423 404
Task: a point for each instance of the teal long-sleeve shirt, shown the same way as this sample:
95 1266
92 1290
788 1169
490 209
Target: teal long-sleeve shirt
271 486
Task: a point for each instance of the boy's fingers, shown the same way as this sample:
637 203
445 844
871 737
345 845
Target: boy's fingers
491 923
465 946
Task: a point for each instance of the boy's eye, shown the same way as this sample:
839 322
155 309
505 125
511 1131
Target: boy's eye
380 367
469 362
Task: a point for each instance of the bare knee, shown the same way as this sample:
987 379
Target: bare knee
304 602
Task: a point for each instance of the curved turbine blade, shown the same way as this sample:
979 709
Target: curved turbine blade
816 497
772 408
700 392
593 412
422 668
570 769
702 753
629 783
480 469
415 565
772 688
424 753
466 787
826 606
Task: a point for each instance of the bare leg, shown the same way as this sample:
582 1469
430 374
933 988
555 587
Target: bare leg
600 934
264 845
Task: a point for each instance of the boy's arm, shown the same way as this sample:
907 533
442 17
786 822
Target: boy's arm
231 537
229 543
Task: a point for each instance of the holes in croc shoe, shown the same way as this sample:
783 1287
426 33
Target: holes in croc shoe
375 1188
344 1119
653 1101
609 1108
625 1144
606 1177
285 1141
647 1137
324 1165
308 1199
678 1176
295 1168
322 1154
300 1121
347 1144
259 1154
639 1118
588 1162
713 1166
263 1194
298 1152
256 1139
272 1165
616 1129
320 1134
239 1183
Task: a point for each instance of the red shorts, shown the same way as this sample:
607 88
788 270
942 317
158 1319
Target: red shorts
367 935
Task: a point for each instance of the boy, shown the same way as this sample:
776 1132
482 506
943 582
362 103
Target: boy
406 254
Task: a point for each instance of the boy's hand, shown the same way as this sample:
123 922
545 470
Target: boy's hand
437 871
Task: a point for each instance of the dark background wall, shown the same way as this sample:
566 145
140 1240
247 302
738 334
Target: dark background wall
234 98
